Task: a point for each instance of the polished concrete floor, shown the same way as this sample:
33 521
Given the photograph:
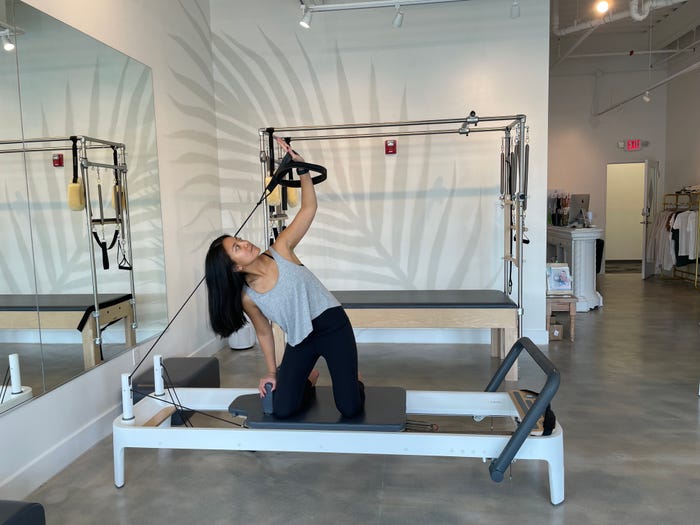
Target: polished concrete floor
628 404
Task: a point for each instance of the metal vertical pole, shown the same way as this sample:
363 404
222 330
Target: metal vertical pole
507 214
127 222
263 167
521 222
84 172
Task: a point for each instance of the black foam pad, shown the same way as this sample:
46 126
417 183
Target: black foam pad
385 411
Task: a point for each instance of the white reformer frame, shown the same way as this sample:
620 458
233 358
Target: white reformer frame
147 425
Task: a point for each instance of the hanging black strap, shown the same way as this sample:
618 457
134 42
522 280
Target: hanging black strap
103 246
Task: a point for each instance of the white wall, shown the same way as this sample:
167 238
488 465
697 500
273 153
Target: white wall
581 144
682 117
173 39
429 217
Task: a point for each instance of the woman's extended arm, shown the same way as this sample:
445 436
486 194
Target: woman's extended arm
292 234
263 330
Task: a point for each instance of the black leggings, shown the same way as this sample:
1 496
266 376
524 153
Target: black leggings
333 339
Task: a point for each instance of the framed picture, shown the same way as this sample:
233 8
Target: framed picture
559 281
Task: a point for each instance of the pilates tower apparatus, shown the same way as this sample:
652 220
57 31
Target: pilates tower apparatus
81 195
513 172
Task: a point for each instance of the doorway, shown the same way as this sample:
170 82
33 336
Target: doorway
630 203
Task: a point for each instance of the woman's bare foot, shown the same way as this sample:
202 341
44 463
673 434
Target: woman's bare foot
313 377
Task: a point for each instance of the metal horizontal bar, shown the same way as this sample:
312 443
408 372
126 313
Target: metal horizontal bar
39 139
391 124
102 141
370 135
47 148
120 167
483 130
370 125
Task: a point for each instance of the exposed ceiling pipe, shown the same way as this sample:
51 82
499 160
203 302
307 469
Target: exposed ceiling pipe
629 53
676 52
668 79
649 6
633 13
572 48
614 17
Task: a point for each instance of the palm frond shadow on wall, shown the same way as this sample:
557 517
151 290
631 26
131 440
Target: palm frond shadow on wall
378 226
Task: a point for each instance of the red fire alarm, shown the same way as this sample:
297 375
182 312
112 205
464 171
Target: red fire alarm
58 160
390 147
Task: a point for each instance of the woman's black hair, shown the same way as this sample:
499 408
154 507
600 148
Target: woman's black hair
225 290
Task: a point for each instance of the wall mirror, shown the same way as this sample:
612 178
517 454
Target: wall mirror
58 264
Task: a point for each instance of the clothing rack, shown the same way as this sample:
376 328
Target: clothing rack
686 202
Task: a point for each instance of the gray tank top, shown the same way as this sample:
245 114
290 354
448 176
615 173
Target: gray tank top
295 300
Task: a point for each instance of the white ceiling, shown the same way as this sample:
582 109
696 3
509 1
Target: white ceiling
669 27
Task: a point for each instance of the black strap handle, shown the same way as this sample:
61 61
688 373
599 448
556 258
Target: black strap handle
292 183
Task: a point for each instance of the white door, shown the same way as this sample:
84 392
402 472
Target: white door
624 200
631 202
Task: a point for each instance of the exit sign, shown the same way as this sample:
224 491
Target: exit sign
633 144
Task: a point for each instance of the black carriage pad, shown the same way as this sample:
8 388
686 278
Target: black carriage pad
385 411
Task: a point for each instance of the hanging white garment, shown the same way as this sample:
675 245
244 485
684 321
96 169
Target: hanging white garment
692 232
681 224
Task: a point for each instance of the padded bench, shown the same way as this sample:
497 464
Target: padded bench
490 309
21 513
24 312
193 372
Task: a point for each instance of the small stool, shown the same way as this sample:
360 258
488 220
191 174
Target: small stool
563 303
192 372
21 513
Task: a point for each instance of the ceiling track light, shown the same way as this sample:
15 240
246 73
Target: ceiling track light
7 44
305 21
398 17
309 8
602 7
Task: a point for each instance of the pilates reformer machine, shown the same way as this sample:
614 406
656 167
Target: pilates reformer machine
500 311
89 313
383 428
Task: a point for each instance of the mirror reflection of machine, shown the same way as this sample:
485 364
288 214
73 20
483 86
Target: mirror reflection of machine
73 85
